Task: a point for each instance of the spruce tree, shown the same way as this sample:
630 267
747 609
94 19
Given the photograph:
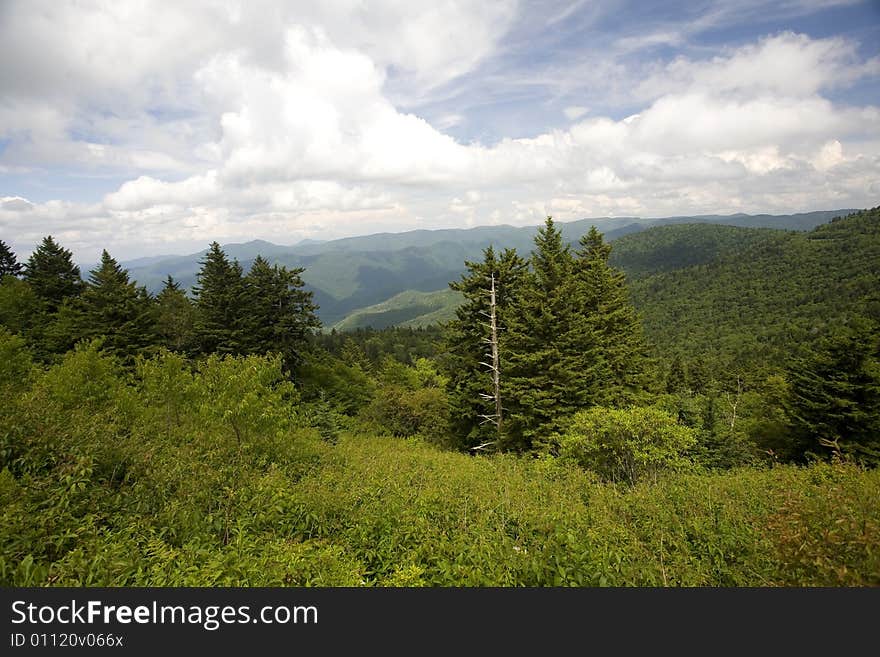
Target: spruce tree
9 264
52 275
175 316
115 308
469 381
835 393
605 347
542 386
280 314
219 300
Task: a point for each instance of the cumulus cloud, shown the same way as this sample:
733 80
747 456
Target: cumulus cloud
786 64
231 123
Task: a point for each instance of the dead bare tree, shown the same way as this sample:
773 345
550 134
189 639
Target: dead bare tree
494 369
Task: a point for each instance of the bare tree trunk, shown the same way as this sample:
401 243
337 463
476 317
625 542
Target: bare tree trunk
496 373
494 368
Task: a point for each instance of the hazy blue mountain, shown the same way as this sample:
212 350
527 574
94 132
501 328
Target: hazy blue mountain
356 272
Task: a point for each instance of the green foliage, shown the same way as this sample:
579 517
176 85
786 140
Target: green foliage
627 445
466 343
834 398
249 395
674 247
166 385
113 308
368 347
279 314
52 275
220 303
266 311
753 299
401 412
16 362
20 307
9 264
220 472
828 537
408 309
126 498
543 390
570 339
175 318
344 385
85 379
604 347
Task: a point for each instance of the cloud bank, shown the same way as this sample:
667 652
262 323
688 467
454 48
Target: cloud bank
233 121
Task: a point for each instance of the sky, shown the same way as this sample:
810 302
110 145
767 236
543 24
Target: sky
150 128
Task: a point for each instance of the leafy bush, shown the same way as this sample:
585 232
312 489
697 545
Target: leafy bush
99 488
400 412
249 394
626 445
15 360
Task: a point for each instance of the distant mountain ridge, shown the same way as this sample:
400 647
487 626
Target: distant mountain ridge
354 273
409 309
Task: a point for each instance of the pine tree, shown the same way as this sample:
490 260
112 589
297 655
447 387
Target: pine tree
835 393
175 317
469 381
115 308
280 313
604 347
220 309
52 275
542 387
9 264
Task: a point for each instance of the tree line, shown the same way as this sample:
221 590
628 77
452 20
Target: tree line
571 356
46 300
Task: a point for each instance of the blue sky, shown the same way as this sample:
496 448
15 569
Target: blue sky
152 128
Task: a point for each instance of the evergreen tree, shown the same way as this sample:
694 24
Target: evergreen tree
280 313
9 264
114 308
835 393
220 309
676 377
52 275
574 340
542 387
605 349
175 317
469 381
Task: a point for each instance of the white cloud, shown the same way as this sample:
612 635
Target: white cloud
231 123
786 64
575 112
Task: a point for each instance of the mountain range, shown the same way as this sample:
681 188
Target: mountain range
387 278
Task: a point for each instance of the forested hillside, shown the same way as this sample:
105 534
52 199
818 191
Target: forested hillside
408 309
351 274
545 435
751 298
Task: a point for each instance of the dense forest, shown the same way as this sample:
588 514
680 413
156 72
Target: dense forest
713 418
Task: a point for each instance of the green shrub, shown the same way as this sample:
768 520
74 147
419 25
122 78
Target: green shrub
626 445
15 362
248 394
401 412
